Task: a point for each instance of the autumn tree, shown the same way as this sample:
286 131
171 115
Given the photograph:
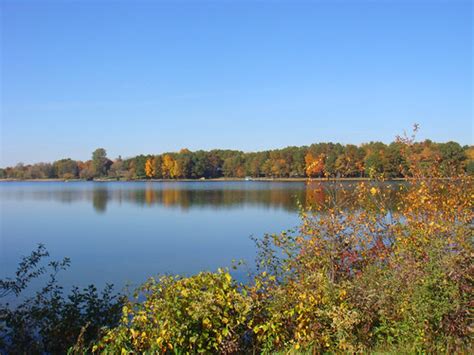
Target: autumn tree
350 162
375 158
167 166
234 167
86 170
182 164
66 169
395 163
41 171
215 160
117 169
469 152
314 164
150 168
157 166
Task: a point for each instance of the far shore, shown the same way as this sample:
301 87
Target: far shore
296 179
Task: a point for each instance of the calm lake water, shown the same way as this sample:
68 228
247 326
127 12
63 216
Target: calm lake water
124 232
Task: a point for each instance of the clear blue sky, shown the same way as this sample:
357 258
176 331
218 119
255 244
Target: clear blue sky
153 76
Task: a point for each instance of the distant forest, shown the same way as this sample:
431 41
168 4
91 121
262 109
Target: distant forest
332 160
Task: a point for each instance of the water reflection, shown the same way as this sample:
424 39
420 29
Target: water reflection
100 197
122 232
184 195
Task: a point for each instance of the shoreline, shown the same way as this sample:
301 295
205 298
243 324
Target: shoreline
205 180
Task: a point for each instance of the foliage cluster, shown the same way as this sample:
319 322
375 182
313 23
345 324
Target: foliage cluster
316 160
203 313
352 278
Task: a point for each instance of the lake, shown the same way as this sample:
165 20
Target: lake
124 232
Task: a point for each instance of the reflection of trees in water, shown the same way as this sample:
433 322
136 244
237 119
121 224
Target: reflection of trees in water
344 195
232 198
100 199
280 197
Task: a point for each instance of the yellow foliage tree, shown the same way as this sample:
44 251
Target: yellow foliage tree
177 170
150 167
167 166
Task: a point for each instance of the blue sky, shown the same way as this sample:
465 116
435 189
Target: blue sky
154 76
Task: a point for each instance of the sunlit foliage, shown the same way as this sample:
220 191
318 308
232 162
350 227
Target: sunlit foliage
362 273
150 168
321 160
202 313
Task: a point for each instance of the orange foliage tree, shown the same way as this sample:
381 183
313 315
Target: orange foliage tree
314 164
150 168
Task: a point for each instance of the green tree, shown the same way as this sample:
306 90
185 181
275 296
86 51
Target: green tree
452 156
140 162
200 165
375 158
100 162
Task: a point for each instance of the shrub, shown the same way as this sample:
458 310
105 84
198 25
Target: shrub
203 313
49 321
373 276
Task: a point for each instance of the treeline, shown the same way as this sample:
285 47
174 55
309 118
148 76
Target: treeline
316 160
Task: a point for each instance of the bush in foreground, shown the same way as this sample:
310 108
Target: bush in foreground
361 277
50 321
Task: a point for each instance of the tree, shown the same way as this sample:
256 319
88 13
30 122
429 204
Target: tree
140 162
167 166
375 159
469 151
452 157
100 162
117 168
150 168
182 164
200 165
86 170
157 163
395 163
66 168
350 163
314 164
234 166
